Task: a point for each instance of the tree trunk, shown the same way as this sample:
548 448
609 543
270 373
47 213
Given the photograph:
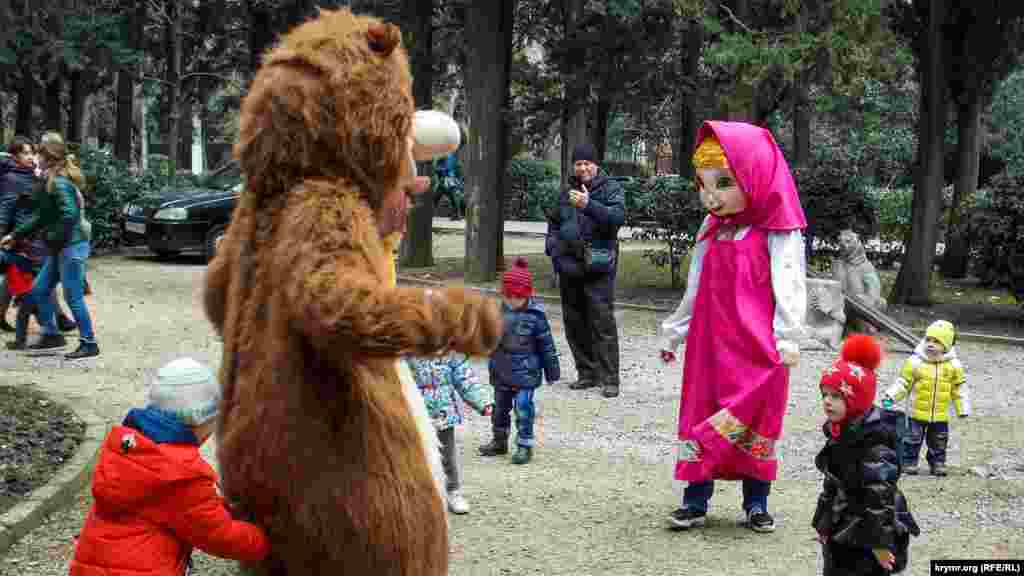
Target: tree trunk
54 115
605 96
574 119
801 106
913 282
76 128
954 260
26 101
174 86
125 114
261 33
489 39
693 46
417 249
185 134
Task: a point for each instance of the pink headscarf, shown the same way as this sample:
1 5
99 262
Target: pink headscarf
772 199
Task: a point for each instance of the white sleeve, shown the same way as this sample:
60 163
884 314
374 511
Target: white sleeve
675 327
789 284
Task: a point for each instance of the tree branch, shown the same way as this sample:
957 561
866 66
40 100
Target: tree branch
732 16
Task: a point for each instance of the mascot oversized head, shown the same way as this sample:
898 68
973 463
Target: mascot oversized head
318 439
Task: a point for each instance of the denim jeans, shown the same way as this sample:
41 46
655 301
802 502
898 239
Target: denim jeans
755 494
505 401
68 268
935 434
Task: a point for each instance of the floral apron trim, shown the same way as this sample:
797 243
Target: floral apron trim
737 433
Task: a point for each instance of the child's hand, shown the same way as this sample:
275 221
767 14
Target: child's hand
885 558
488 410
668 356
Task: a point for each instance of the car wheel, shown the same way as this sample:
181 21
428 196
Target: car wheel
213 238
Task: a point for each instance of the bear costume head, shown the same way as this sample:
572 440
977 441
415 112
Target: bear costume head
320 438
333 99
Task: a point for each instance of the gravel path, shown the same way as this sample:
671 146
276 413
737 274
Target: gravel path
595 498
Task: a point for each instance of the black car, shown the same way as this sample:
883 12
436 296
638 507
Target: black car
180 220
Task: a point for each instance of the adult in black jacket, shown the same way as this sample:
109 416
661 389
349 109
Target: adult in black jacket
582 242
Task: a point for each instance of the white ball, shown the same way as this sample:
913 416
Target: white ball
435 134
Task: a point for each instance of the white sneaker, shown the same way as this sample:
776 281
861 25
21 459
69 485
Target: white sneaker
457 503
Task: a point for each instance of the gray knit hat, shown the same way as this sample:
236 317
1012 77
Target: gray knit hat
186 390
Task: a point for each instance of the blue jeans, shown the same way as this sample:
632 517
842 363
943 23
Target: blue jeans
755 494
68 268
505 401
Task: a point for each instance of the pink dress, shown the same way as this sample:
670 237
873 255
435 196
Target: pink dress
735 387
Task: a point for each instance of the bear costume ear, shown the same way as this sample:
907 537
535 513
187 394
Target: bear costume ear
383 38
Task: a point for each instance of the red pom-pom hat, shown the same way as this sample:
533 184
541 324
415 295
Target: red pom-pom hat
518 281
853 374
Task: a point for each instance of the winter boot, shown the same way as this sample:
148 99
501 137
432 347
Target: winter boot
21 329
523 455
610 389
85 350
582 384
496 447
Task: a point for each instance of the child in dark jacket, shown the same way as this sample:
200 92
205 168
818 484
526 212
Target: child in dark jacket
515 367
154 495
862 518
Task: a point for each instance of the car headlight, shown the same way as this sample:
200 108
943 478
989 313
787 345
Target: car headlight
171 214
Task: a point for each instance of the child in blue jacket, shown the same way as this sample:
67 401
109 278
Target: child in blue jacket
525 350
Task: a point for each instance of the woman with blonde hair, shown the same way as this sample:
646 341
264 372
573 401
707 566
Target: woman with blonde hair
58 211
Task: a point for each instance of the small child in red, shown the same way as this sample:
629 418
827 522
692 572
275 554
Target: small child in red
862 518
155 496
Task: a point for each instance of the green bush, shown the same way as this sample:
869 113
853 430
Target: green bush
894 212
539 182
667 210
110 185
1000 233
833 196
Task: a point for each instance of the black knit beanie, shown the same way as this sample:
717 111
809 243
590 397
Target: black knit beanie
584 152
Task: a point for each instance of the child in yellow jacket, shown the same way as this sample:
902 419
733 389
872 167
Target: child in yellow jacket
930 379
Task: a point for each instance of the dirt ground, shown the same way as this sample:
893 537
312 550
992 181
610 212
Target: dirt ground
37 435
596 497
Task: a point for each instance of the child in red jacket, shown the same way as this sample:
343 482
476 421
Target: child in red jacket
155 498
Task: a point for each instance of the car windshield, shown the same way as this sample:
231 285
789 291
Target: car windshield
224 178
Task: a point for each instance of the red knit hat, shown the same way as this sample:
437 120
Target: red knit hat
517 282
853 374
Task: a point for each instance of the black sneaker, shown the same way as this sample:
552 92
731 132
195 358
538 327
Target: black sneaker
686 518
759 521
85 350
496 447
582 384
610 390
16 345
49 342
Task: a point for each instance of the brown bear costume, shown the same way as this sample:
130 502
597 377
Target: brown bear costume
317 440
